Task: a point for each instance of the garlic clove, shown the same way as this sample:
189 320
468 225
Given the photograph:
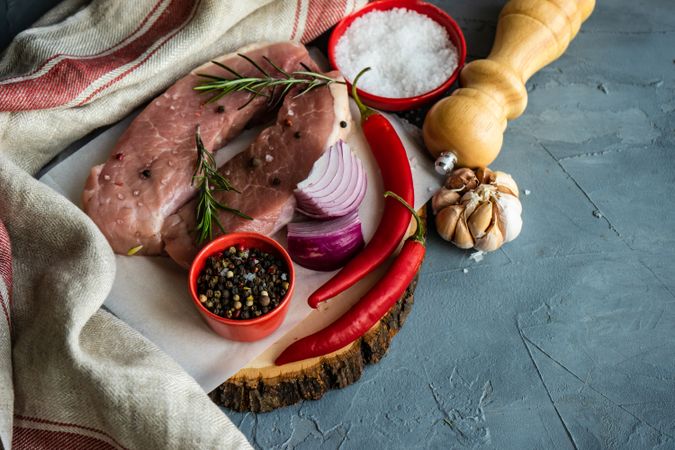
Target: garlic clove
485 175
442 198
505 183
480 220
463 238
470 200
446 221
462 179
510 211
493 238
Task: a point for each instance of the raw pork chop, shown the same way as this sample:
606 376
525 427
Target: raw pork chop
148 175
268 171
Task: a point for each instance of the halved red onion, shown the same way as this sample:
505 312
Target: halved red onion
335 186
325 245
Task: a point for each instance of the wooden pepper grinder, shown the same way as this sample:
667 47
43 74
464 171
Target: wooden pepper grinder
467 128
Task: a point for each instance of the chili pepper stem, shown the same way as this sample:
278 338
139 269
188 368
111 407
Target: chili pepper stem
419 233
365 111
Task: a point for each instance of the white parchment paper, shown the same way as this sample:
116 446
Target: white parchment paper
151 295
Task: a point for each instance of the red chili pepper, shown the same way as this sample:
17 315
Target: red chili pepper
370 308
392 160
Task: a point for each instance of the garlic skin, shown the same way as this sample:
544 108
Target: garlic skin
478 209
444 197
510 210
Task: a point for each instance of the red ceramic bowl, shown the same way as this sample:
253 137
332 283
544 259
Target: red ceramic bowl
427 9
251 329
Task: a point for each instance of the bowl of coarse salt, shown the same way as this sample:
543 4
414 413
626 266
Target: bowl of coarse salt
415 51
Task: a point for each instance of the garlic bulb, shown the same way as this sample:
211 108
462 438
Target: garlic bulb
478 209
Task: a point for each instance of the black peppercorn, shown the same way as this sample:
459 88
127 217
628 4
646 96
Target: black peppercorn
145 174
343 124
242 283
297 135
220 109
276 181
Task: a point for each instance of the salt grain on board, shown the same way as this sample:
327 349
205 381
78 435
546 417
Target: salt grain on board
409 53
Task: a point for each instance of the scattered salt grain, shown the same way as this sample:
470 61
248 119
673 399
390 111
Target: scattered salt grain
409 54
269 158
431 189
465 270
477 256
597 214
527 192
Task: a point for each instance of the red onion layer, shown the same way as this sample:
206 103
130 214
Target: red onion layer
335 186
325 245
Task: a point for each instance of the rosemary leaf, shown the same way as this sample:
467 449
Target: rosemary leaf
277 68
264 85
254 64
208 180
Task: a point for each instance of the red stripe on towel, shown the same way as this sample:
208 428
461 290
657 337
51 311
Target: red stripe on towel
51 58
68 78
322 15
28 438
68 425
142 61
6 272
296 19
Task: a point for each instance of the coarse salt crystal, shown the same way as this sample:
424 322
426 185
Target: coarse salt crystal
409 54
477 256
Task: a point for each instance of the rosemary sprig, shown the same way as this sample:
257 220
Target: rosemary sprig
271 86
208 180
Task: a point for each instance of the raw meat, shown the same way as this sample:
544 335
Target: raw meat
284 154
148 176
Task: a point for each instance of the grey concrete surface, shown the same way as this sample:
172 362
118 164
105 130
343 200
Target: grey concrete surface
17 15
566 337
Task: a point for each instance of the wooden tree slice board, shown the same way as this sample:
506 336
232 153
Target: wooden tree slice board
261 386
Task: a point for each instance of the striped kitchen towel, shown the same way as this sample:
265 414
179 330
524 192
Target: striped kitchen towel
81 68
72 375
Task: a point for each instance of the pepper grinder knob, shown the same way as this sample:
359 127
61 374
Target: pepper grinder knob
445 163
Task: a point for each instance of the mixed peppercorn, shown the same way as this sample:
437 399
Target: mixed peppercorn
242 283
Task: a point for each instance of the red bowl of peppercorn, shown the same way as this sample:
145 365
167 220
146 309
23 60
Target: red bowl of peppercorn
242 284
